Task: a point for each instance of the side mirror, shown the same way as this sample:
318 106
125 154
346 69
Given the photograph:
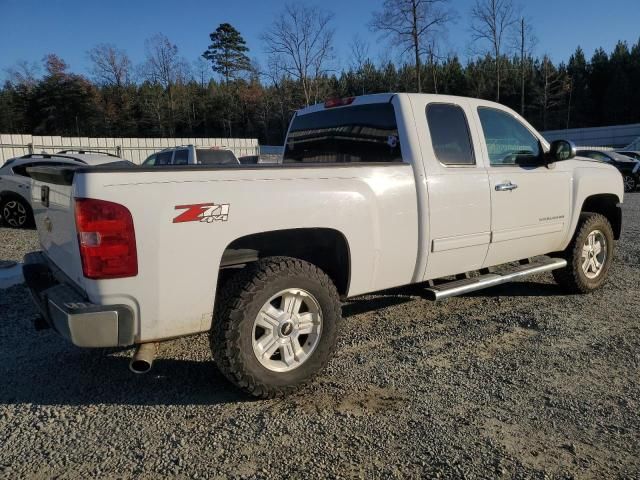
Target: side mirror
561 150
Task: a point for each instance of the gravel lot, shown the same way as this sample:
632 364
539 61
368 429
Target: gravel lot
519 381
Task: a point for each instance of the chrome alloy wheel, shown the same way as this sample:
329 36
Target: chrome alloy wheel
14 213
287 330
594 254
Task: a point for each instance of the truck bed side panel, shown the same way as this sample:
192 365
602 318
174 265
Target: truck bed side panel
374 207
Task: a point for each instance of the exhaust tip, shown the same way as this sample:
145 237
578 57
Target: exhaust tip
140 367
142 359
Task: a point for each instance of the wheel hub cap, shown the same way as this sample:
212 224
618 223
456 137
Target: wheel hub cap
594 254
14 213
287 330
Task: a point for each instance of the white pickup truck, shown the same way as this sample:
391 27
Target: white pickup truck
374 192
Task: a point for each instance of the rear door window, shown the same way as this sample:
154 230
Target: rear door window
450 134
164 158
363 133
181 157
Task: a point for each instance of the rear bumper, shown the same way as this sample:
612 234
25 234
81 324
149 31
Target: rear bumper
70 313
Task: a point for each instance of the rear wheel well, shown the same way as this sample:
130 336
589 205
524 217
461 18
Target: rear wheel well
324 247
14 195
608 205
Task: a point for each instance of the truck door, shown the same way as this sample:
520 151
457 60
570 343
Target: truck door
458 229
529 202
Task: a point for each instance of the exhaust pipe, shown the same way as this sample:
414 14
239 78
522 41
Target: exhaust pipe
142 359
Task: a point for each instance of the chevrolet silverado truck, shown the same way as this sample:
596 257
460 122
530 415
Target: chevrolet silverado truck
374 192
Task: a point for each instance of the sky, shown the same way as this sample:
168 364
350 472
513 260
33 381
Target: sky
29 29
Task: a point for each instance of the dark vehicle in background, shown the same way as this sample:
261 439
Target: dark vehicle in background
628 167
630 154
192 155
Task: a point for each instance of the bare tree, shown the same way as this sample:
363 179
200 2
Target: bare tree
110 65
555 85
301 41
165 67
202 71
491 22
359 52
524 42
163 64
54 65
411 24
23 73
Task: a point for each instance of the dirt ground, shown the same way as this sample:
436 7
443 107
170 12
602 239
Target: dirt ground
519 381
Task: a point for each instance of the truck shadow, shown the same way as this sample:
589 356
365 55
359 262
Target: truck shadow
43 369
94 378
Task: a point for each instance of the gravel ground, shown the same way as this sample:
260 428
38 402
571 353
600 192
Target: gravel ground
519 381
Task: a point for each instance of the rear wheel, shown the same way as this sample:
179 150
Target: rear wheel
275 325
629 183
16 213
589 255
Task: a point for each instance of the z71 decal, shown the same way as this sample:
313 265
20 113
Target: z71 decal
203 212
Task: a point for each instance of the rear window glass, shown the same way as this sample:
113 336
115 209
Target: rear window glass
364 133
22 169
216 157
450 134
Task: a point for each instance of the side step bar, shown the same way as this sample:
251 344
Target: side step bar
460 287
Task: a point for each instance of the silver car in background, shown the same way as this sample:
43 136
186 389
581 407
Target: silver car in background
15 182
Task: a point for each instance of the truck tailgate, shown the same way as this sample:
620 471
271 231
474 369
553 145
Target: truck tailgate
53 207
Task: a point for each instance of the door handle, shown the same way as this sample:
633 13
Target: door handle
505 187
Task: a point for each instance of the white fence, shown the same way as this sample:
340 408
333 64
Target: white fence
134 149
614 136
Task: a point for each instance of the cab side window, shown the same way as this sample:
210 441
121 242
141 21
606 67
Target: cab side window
150 161
508 141
450 134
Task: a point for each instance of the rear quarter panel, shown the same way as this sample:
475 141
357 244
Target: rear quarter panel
374 207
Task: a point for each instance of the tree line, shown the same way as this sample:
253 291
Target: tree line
226 94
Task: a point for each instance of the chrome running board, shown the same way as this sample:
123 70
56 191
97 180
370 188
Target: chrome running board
460 287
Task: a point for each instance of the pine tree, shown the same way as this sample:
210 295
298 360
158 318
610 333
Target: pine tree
227 52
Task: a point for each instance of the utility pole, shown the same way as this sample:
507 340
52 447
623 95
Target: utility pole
522 67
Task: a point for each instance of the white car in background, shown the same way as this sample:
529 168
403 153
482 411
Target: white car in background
15 183
192 155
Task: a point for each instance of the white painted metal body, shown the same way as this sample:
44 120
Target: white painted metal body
403 223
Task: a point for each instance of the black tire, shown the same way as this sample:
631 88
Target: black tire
630 183
573 278
16 212
239 302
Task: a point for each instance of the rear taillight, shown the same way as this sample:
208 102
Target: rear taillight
107 239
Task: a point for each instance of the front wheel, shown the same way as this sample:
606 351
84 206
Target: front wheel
589 255
275 325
